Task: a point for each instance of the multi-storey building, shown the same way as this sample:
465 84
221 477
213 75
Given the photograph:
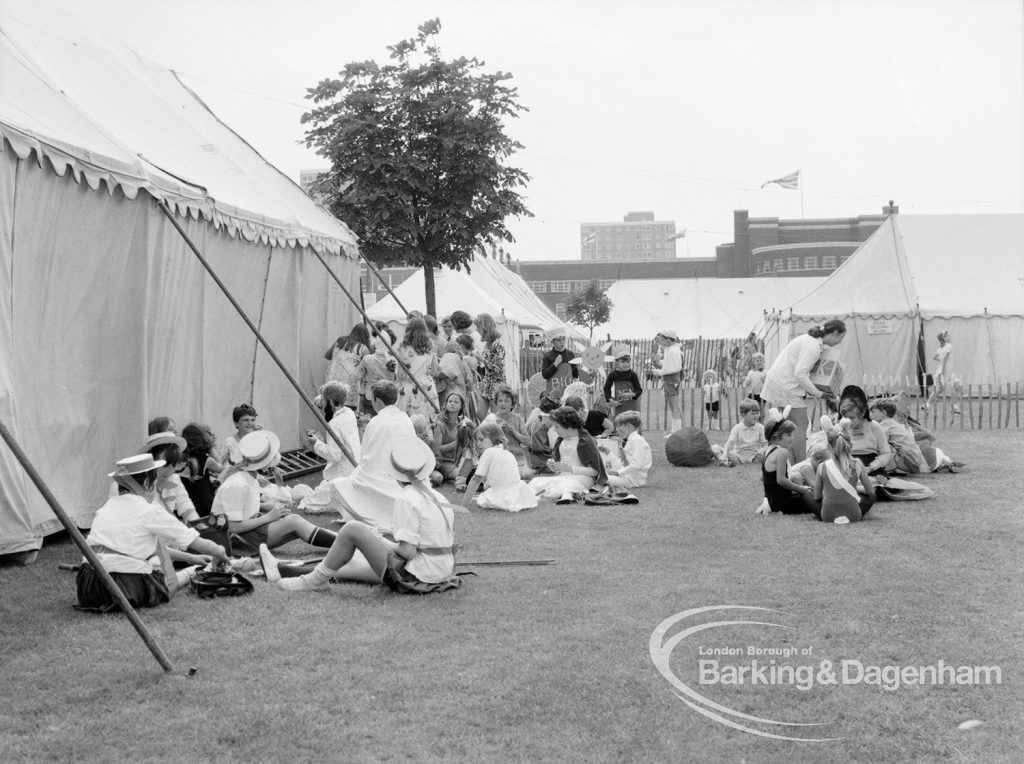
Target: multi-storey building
638 237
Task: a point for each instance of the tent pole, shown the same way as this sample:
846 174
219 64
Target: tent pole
382 281
90 555
266 346
368 321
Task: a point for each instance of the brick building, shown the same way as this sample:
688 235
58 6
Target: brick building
805 247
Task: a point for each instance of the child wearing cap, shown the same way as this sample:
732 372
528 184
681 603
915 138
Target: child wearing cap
423 559
238 498
127 534
622 387
556 365
671 373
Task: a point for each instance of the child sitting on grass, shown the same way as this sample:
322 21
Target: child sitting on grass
453 434
634 454
201 468
511 425
421 425
539 451
238 498
244 417
499 473
340 417
423 559
575 460
746 441
127 532
906 454
781 493
835 490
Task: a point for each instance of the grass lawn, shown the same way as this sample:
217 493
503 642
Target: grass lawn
552 663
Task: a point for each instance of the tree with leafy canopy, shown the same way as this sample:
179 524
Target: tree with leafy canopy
417 150
589 307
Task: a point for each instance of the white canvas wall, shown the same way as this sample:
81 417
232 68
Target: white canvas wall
112 321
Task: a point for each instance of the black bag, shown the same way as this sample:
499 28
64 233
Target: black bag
220 583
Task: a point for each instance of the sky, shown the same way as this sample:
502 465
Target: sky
681 107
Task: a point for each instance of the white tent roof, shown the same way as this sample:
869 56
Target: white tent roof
715 308
63 93
489 288
948 265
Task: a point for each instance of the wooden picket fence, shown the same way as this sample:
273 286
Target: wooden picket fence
982 407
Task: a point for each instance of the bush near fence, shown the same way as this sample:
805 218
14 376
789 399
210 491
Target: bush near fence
983 407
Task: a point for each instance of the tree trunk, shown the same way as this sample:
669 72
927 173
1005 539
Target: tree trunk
428 286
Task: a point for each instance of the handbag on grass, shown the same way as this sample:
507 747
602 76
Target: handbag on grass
208 584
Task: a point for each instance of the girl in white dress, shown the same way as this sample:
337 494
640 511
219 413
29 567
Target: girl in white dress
499 472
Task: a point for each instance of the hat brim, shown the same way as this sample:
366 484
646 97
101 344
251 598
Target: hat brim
410 459
164 439
273 456
157 464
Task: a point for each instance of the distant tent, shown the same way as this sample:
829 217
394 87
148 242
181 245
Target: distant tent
698 307
106 318
916 276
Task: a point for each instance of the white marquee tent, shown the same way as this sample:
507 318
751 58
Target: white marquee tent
106 317
920 275
698 307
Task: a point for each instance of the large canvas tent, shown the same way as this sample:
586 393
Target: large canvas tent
698 307
488 287
916 276
106 317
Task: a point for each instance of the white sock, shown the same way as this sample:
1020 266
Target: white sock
321 575
677 424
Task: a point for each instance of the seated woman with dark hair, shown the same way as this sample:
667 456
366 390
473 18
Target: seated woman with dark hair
575 460
869 443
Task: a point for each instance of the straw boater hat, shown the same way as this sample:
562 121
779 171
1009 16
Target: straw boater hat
411 461
259 449
135 465
163 439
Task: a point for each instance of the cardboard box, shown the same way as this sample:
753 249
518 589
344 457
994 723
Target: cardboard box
827 376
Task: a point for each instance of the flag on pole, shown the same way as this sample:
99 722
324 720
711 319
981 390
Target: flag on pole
589 239
680 235
790 181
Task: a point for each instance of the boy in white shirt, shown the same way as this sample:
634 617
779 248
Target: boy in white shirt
635 453
746 442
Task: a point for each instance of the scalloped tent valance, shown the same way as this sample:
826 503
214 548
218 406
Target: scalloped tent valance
90 106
